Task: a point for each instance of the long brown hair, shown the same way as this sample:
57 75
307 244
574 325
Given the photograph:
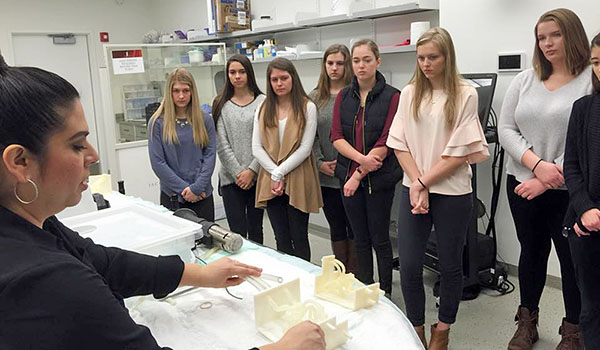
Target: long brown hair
575 42
324 84
195 116
595 81
228 90
268 109
452 80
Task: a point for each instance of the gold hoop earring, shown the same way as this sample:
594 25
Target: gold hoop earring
37 193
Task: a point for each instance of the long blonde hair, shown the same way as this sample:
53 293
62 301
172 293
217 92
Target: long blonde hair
575 43
195 116
452 80
324 84
268 110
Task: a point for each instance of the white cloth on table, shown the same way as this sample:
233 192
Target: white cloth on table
229 323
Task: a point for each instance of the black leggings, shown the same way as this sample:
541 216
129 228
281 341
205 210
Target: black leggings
369 215
586 258
242 216
539 223
204 209
333 207
290 226
450 216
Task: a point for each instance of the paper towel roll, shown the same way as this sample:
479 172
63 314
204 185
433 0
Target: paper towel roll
416 30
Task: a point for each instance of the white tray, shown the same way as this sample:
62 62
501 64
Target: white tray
137 228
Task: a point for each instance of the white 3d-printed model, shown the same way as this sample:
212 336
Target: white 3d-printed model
278 309
342 288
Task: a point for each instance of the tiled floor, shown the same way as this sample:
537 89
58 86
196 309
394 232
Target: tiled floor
484 323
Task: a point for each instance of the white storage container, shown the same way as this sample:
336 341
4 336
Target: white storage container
138 228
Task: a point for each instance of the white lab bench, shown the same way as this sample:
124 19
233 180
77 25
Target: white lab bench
213 319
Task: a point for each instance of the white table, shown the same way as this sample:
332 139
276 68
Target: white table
184 323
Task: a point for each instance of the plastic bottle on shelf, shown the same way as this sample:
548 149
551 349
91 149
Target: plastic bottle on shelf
274 49
267 48
259 52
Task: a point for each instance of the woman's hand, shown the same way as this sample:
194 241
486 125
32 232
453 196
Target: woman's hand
579 231
419 198
303 336
328 168
277 187
189 196
591 219
422 203
549 174
371 162
350 187
222 273
245 179
531 188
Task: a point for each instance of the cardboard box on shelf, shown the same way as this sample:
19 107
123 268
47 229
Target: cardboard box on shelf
232 15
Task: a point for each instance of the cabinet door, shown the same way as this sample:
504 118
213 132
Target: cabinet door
141 132
127 132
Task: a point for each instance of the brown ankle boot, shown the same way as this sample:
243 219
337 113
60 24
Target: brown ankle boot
352 265
439 339
570 337
527 332
421 333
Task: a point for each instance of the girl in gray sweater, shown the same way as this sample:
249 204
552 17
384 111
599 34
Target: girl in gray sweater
336 72
532 129
233 112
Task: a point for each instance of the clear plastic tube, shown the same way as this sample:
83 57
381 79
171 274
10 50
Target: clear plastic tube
270 277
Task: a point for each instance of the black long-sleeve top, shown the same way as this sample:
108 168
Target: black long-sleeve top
582 157
61 291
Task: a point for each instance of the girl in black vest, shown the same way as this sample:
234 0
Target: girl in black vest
582 170
362 115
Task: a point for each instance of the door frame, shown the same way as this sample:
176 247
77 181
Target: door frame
95 80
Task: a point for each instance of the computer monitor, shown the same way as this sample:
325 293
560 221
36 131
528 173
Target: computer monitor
485 84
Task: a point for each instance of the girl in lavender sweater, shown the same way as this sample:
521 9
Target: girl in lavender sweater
182 145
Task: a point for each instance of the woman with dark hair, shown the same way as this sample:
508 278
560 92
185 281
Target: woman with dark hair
362 115
182 145
59 290
582 171
288 184
336 73
437 189
532 129
233 112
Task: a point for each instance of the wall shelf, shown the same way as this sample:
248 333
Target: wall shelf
326 21
364 15
403 9
398 49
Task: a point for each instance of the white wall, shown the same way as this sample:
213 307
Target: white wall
179 14
126 22
481 29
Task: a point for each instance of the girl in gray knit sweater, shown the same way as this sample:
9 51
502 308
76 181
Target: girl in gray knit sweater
532 129
233 112
336 72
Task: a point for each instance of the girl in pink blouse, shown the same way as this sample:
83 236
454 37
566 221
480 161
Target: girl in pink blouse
436 135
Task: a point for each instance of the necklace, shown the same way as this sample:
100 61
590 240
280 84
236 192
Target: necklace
434 101
182 122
